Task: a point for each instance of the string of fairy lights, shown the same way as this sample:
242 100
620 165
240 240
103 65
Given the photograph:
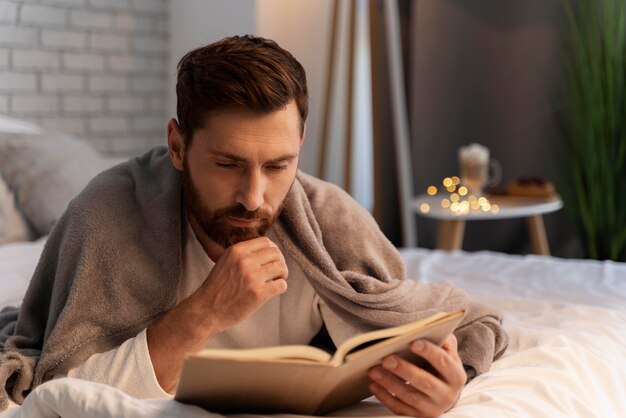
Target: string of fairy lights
458 199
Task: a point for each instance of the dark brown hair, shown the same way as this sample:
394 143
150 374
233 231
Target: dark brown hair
246 71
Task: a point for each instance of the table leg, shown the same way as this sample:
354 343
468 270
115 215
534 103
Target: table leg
450 234
538 236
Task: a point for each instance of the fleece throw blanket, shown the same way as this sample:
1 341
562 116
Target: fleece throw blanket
112 265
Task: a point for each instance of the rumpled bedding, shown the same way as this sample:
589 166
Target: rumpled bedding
566 320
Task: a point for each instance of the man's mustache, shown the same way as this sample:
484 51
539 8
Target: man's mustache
241 212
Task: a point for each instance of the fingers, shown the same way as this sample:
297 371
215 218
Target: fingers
274 270
260 258
420 390
394 404
270 262
276 287
450 345
268 255
263 266
445 360
397 381
399 388
244 278
447 365
251 246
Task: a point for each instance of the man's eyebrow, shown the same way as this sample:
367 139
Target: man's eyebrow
283 158
227 155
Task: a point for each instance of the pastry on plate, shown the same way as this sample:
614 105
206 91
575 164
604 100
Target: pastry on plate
531 186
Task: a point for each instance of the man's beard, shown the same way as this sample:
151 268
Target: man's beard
215 224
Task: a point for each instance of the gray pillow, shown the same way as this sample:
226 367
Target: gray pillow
45 171
13 226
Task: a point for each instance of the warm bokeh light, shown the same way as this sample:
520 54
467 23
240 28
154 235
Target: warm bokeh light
459 200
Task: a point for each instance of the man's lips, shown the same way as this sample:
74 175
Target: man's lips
243 223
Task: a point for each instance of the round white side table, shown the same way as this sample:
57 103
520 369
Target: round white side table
451 226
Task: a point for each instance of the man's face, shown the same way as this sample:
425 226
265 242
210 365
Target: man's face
238 170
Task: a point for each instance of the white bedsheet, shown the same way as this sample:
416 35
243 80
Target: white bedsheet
17 263
566 320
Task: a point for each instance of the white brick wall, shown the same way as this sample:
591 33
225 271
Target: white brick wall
32 59
80 61
43 15
93 68
8 12
83 105
62 83
17 82
35 104
4 59
91 20
108 83
125 104
13 35
109 43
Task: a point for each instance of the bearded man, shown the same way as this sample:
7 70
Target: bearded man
219 241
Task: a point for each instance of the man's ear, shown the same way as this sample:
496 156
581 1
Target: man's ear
176 144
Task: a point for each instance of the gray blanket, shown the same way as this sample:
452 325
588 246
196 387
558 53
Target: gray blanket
112 265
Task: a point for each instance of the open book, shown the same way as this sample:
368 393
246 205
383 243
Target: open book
299 378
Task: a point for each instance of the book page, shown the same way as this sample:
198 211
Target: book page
285 352
354 342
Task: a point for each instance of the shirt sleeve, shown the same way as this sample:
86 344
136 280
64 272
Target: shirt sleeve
127 368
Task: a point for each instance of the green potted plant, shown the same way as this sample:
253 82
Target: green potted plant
594 63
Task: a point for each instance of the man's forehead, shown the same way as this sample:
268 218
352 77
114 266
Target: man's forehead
231 140
236 129
289 112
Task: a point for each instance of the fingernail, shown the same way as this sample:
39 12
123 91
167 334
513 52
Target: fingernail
390 363
376 374
418 345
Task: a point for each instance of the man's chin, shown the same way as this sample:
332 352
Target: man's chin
244 235
235 236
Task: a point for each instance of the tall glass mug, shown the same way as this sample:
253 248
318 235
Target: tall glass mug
477 169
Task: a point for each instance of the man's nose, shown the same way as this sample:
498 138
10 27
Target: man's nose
251 191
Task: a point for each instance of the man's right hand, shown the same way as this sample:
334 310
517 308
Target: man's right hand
245 277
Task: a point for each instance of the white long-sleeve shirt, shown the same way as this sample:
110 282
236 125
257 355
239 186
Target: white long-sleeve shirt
293 317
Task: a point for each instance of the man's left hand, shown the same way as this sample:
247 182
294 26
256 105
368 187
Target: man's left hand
409 390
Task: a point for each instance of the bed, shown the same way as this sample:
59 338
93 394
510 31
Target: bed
566 320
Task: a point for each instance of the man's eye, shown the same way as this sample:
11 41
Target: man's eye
225 165
277 167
